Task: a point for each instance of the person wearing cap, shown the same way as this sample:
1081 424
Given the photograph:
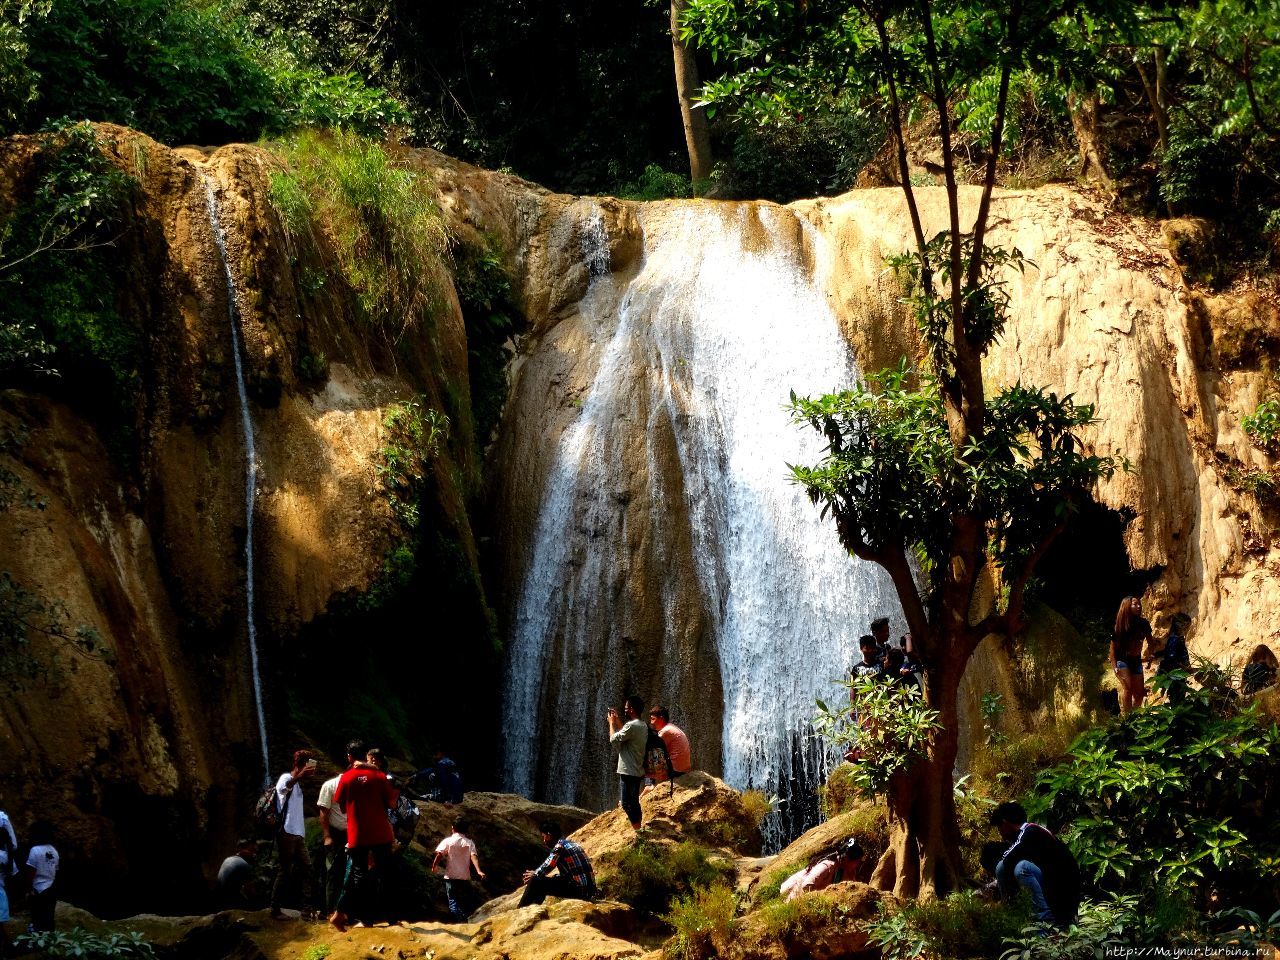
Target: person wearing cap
834 868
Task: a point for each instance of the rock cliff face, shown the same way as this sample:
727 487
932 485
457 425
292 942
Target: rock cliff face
643 534
152 751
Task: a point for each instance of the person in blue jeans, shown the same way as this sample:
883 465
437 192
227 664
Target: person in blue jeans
1039 863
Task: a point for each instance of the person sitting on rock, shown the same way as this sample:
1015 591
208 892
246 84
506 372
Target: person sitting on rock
574 879
1260 671
835 867
676 741
1038 862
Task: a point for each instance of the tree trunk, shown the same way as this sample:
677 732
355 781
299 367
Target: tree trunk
923 856
1084 121
696 135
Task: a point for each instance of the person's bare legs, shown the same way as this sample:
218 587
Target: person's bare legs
1126 689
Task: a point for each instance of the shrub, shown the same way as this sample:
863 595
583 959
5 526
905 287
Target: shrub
346 200
656 183
650 876
961 925
785 919
703 922
79 944
1263 425
1101 929
1175 795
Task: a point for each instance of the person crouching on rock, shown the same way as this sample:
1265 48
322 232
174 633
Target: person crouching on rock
574 880
833 868
1040 863
628 742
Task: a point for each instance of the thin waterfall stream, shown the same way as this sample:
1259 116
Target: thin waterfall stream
708 340
250 459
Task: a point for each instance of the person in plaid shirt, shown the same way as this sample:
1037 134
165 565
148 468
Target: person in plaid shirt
574 880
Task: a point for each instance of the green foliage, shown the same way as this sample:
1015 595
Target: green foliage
960 925
492 320
1248 929
891 730
1193 785
703 922
181 71
802 156
36 638
1102 927
792 919
1263 425
649 876
993 708
78 944
891 475
351 202
656 183
413 435
317 951
59 281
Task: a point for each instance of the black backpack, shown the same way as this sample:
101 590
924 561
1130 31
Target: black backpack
268 812
657 760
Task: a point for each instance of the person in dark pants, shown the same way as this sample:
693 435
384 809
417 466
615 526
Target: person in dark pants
1040 863
294 867
365 795
574 879
456 853
333 825
628 740
41 874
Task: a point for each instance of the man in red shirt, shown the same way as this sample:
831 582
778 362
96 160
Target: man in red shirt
365 795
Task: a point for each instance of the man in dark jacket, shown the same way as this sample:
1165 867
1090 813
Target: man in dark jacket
1040 863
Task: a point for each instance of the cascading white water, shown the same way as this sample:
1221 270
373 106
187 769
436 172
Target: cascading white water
719 332
251 461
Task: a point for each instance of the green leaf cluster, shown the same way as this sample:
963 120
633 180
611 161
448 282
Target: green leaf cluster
888 725
1263 425
80 944
891 474
1175 795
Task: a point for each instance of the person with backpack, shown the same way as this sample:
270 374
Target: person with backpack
835 867
628 741
294 866
365 795
42 874
333 826
666 753
457 853
574 878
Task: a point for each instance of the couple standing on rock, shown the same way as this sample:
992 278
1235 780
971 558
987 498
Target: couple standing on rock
641 751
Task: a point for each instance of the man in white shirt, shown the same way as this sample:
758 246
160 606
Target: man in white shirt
42 870
295 864
333 824
7 826
458 853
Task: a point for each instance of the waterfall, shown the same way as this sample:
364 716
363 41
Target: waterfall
721 323
250 462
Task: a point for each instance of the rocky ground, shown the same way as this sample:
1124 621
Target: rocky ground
701 810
